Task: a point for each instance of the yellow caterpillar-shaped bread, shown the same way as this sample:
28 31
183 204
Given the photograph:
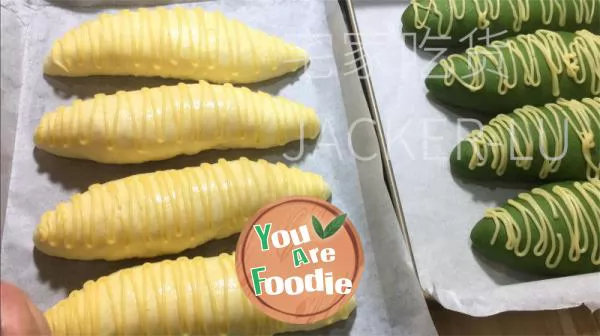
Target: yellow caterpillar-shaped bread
163 122
169 211
175 43
200 296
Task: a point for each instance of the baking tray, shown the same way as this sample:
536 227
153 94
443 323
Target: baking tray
389 298
364 74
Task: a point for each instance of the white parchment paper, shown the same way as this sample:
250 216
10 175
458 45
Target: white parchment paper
389 299
12 46
440 210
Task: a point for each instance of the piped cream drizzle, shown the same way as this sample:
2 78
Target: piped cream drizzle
488 11
567 205
579 60
492 144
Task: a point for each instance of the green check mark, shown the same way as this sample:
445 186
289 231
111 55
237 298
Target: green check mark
334 226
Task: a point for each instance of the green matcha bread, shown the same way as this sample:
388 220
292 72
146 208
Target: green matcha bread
555 142
533 69
552 230
463 23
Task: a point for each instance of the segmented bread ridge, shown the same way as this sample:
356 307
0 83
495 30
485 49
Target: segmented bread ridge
199 296
177 43
168 211
163 122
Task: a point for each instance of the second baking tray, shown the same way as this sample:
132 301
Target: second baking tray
438 209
